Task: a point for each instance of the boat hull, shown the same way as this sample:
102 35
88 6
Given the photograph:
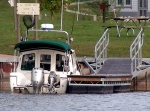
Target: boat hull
19 84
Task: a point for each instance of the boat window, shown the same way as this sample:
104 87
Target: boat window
45 61
28 62
61 61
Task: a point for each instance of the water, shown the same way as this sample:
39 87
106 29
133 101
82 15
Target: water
135 101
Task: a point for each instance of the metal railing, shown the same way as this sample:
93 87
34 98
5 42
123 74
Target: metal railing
136 51
101 49
68 40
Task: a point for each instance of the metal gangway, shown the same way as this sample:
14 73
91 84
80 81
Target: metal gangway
100 53
117 66
136 53
138 65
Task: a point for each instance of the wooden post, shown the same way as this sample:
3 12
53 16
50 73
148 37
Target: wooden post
1 75
18 25
36 25
15 15
146 81
115 13
135 84
103 15
103 7
16 20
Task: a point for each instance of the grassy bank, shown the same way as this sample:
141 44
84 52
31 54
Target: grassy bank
86 33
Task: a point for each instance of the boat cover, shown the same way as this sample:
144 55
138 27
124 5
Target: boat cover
42 44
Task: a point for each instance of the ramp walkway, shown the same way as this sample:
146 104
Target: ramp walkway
123 66
116 66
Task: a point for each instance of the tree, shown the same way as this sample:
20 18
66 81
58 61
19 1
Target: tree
112 11
103 1
54 6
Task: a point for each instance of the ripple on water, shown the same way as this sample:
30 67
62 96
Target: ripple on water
136 101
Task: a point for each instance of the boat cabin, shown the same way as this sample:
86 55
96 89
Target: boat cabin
46 54
51 60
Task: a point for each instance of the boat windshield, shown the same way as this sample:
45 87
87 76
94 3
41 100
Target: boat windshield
28 61
45 61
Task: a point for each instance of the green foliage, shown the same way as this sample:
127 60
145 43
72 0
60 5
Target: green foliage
103 1
53 6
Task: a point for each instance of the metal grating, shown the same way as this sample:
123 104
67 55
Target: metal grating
116 66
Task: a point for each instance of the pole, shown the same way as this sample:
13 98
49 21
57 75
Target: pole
15 15
103 15
36 24
61 15
18 24
78 12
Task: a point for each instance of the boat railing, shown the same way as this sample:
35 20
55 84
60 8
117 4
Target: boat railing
101 50
59 31
136 52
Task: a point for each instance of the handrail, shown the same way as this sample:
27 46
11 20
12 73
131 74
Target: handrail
101 49
136 51
60 31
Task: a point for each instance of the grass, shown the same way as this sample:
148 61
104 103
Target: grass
86 33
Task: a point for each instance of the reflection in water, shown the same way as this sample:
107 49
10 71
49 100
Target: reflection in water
136 101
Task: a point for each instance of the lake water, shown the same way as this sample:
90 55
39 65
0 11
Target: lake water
133 101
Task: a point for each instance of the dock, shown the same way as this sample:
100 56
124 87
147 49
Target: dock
133 71
116 66
6 67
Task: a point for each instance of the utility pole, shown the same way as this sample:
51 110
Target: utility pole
36 24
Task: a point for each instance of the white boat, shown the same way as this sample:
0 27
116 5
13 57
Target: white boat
43 66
